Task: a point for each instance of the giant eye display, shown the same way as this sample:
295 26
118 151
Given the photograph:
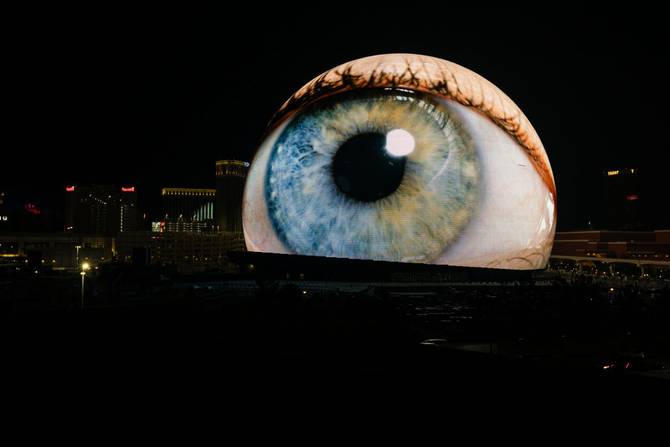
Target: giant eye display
404 158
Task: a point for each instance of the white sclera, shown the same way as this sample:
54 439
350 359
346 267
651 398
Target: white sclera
514 223
399 143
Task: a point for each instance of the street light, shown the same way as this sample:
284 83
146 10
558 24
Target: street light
84 268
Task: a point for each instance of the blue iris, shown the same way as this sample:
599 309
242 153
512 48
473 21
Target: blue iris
415 223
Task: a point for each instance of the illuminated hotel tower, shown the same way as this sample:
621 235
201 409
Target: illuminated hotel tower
622 200
188 209
100 209
230 177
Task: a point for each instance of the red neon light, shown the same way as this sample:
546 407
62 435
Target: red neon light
32 209
127 189
631 197
69 188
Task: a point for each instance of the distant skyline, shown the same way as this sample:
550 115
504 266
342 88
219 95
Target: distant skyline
154 100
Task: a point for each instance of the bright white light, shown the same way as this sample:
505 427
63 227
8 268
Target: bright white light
399 142
85 266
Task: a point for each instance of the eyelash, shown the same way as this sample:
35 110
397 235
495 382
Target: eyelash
443 84
322 88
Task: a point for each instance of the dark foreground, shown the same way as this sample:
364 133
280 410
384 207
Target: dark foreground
425 343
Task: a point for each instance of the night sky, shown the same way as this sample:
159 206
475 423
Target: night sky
154 99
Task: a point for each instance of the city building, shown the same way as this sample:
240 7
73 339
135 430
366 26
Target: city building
622 200
56 250
649 245
188 210
128 213
100 209
230 178
182 249
24 210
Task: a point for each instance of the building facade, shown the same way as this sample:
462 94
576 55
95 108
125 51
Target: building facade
100 209
182 249
646 245
623 200
230 179
57 250
128 213
24 210
189 210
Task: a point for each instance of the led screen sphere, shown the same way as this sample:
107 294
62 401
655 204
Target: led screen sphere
406 158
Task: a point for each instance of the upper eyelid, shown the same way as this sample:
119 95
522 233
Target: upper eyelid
429 75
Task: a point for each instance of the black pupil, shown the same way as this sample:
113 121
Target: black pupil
364 170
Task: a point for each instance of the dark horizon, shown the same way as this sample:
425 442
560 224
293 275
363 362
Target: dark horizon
154 101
